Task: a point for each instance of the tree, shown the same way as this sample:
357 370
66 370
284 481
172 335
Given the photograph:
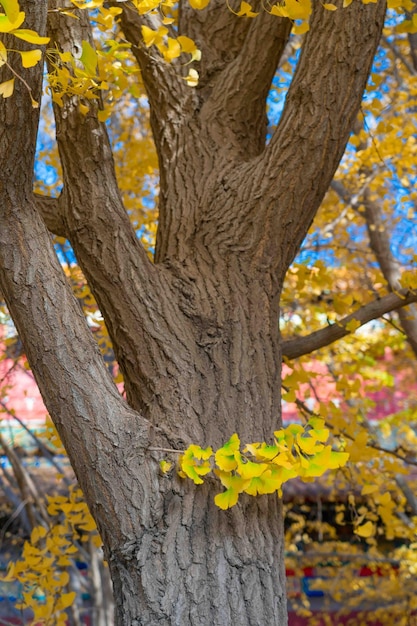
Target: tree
196 332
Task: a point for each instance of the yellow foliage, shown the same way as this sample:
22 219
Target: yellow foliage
262 468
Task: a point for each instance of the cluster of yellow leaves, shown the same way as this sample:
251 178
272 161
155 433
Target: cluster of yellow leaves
262 468
10 22
172 47
44 568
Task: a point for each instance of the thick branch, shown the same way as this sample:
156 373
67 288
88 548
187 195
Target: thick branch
124 282
51 211
258 59
320 109
169 95
294 348
97 428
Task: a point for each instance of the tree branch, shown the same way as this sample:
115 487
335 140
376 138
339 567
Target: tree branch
52 214
390 267
321 106
258 58
99 430
166 89
380 246
294 348
100 232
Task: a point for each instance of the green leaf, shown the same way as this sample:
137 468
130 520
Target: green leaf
225 456
88 57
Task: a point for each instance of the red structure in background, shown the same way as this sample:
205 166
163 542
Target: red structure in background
19 394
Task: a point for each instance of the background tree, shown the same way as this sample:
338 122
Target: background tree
195 334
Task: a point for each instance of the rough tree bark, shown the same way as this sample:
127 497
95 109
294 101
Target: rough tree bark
195 334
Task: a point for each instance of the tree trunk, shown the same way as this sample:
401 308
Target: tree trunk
200 565
196 334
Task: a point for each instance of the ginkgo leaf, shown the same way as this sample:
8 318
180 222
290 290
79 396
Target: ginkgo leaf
246 10
3 54
6 88
31 36
188 46
251 470
153 37
225 456
230 481
365 530
192 78
30 57
329 6
8 23
39 532
294 9
269 482
165 466
11 9
226 499
88 57
199 4
172 50
65 600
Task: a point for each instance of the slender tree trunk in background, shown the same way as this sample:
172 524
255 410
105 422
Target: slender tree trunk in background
195 334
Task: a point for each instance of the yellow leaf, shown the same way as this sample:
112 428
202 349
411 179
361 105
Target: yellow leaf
366 530
251 470
144 6
31 36
367 489
225 456
300 29
84 109
188 46
103 115
8 24
165 466
3 54
11 9
192 78
269 482
38 533
352 325
346 3
199 4
65 600
151 37
6 88
30 57
226 499
330 6
172 50
294 9
246 10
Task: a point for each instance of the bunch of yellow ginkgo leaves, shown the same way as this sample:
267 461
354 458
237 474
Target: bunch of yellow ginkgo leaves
262 468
